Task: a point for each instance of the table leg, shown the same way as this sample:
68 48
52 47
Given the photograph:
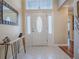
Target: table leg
6 51
24 45
12 50
15 50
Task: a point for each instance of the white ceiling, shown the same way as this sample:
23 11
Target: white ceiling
70 5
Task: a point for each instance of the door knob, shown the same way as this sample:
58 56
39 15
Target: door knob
47 40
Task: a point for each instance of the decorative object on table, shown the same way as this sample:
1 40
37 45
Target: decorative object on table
20 35
6 40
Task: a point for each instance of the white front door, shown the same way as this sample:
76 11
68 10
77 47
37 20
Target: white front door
39 29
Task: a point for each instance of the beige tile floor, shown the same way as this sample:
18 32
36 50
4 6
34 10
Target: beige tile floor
44 53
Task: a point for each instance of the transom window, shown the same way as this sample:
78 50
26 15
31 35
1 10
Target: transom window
39 4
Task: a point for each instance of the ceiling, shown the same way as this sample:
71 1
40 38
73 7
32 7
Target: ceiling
70 5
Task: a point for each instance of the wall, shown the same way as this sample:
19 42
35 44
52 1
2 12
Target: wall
76 33
10 30
60 25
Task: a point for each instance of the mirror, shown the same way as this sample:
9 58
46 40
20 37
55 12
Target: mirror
9 14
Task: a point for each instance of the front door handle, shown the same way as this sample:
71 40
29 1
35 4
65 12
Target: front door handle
47 40
33 31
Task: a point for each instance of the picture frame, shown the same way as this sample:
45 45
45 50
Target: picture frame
8 15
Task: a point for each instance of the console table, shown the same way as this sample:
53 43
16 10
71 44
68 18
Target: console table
13 45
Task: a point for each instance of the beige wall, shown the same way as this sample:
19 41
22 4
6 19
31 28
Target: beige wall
76 33
10 30
60 22
60 26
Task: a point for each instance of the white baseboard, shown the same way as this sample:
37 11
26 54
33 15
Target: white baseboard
61 44
48 45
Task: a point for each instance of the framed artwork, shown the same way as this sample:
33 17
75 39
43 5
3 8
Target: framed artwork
8 15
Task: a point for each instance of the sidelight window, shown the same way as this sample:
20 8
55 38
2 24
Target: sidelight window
28 25
50 24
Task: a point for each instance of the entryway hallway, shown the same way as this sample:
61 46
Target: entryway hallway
40 29
44 52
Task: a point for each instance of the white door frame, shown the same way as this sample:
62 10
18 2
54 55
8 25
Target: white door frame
50 40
